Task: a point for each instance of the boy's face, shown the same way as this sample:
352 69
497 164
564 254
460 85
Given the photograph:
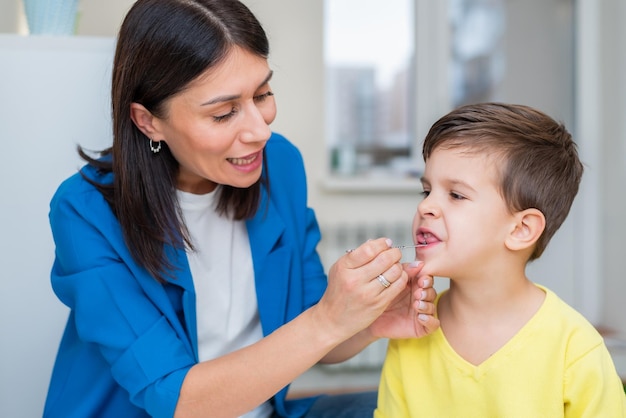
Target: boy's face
463 216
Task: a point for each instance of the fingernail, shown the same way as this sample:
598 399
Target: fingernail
423 295
426 282
422 305
422 317
389 242
415 263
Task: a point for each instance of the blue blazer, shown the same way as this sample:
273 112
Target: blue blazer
130 340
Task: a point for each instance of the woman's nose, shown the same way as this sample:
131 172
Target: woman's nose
256 126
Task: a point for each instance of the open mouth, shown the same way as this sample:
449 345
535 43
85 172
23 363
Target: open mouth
425 238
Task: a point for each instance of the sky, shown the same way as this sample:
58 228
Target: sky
369 32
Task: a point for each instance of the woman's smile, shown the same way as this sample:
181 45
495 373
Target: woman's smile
248 163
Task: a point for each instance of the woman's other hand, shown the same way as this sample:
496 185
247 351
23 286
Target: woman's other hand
412 313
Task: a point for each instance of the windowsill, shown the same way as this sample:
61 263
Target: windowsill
318 380
378 184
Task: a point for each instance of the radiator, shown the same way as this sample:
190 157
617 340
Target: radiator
370 359
336 239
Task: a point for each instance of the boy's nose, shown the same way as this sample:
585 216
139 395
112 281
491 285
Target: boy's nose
427 207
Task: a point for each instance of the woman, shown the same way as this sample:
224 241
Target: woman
186 252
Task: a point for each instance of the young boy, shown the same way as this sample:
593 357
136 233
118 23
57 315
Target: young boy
499 181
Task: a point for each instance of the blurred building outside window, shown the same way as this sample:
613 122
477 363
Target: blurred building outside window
374 53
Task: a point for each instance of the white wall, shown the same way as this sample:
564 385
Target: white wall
95 17
8 15
101 18
53 96
613 160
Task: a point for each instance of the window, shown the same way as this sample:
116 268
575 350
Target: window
394 66
476 49
369 56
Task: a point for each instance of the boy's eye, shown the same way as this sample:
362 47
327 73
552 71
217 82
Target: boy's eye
456 196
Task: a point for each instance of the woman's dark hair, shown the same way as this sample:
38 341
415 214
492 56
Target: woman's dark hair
162 46
538 160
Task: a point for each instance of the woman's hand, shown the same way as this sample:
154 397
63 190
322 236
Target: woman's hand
359 306
411 314
361 285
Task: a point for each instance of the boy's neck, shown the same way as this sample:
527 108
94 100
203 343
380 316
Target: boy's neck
478 320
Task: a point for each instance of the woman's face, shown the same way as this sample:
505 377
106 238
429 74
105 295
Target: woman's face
217 128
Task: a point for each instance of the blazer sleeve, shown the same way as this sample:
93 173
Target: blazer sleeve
93 274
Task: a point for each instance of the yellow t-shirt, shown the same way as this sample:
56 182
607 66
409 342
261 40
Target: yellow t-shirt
556 366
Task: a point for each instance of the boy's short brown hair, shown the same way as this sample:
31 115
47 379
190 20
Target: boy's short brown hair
536 157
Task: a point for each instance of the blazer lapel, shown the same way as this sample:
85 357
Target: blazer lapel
272 262
183 279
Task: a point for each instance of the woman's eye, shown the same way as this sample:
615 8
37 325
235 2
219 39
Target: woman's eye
257 99
261 97
224 118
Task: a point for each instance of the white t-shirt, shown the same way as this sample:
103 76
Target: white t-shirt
223 278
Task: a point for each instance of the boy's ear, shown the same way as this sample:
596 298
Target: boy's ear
529 226
144 121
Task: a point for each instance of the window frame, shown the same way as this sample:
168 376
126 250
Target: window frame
431 46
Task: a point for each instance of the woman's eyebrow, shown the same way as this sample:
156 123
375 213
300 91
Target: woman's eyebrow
228 98
267 79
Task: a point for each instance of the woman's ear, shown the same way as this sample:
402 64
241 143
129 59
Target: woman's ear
529 226
144 120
